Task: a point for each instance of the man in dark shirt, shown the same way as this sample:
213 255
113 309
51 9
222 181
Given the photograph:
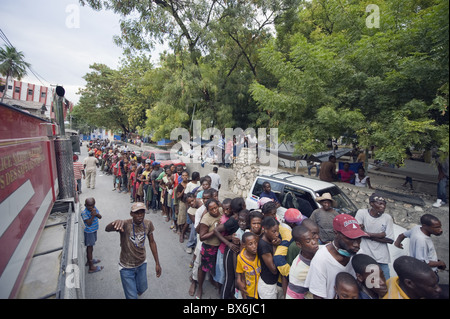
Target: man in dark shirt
328 170
267 192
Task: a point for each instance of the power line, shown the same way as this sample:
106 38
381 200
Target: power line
9 44
5 38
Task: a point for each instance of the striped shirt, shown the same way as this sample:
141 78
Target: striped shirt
279 257
297 277
77 168
86 214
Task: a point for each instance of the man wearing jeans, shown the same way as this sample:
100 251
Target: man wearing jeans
133 261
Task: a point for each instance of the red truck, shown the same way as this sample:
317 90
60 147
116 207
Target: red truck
30 190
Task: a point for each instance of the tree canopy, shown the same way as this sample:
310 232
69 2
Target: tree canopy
314 69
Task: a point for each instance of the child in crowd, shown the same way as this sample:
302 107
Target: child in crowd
370 277
133 184
90 217
248 267
242 222
255 219
232 248
267 283
346 286
308 246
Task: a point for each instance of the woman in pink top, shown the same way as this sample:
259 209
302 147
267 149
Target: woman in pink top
346 174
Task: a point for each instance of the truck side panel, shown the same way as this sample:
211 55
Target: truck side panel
27 192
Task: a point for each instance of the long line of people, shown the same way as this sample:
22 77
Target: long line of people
254 255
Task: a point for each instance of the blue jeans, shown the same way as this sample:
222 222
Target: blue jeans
317 169
192 242
134 281
155 199
442 189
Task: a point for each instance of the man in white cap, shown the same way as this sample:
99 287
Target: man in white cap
334 257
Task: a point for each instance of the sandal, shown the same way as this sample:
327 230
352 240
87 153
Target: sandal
97 269
94 261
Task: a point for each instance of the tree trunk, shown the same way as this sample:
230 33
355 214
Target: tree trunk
6 87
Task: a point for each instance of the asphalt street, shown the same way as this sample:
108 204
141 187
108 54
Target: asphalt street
106 284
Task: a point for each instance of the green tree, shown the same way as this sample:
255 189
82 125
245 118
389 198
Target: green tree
12 64
334 76
100 103
214 43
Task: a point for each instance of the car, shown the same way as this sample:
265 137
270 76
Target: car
162 157
296 191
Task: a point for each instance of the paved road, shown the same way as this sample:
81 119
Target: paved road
174 281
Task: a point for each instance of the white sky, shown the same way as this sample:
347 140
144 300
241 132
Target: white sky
60 39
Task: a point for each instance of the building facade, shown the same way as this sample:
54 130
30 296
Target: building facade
36 99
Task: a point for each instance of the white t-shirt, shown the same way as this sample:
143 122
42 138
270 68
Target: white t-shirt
322 273
421 246
378 251
198 215
191 186
361 182
215 180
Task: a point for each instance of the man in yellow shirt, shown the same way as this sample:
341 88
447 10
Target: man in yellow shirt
415 280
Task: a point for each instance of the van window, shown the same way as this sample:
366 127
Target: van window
294 197
277 188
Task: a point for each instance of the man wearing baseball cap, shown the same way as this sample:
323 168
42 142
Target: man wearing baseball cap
133 262
380 228
334 257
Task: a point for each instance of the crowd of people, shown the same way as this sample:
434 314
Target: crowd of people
252 254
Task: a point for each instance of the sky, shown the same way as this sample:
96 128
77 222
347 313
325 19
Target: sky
60 39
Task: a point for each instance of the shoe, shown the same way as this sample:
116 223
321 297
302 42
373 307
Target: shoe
189 250
438 203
